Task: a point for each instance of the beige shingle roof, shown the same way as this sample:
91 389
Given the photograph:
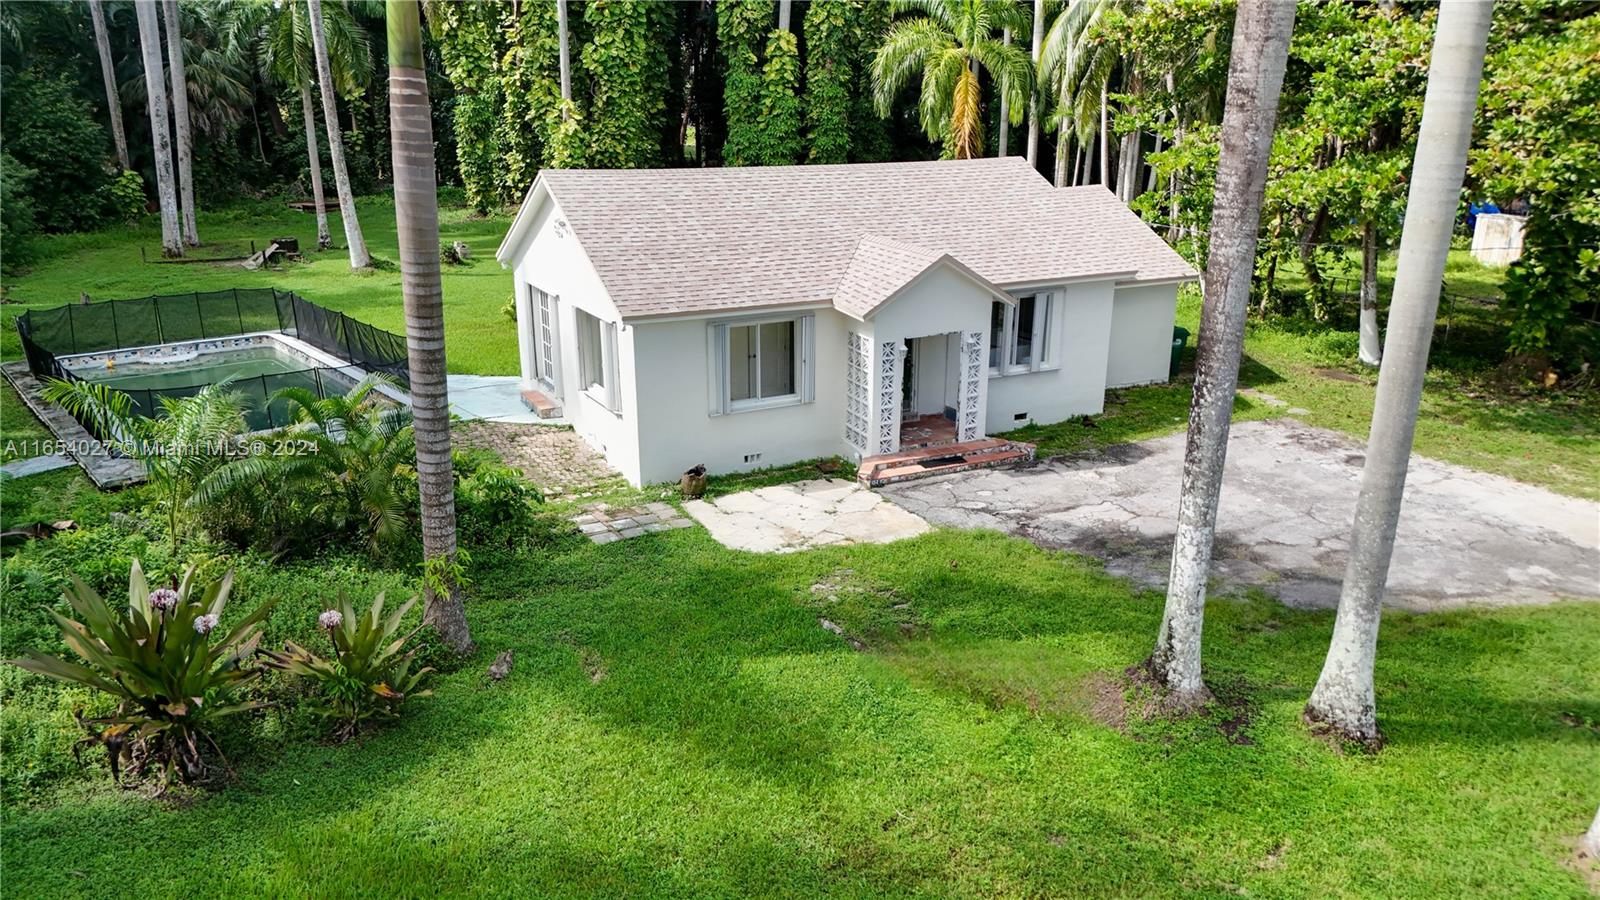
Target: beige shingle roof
684 241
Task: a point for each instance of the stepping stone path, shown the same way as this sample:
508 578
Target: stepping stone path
787 517
602 524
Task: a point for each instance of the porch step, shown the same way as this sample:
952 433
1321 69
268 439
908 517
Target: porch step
941 459
539 403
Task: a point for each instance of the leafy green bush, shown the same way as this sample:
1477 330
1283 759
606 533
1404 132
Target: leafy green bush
124 197
18 225
496 503
370 673
157 659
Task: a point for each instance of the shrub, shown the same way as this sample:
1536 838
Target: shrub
124 197
496 502
172 683
368 676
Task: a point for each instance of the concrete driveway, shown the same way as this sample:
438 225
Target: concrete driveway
1288 495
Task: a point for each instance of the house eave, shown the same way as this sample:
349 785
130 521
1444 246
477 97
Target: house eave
518 233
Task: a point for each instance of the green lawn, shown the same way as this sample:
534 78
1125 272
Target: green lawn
677 724
107 266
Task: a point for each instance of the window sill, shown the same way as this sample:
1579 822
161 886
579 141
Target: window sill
996 373
743 406
598 398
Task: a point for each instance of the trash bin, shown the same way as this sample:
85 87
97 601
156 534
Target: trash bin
1180 338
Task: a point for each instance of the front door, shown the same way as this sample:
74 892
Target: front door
544 340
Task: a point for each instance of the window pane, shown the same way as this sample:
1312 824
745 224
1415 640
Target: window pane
777 359
590 358
741 362
997 330
1024 348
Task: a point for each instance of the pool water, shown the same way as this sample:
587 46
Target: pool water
203 368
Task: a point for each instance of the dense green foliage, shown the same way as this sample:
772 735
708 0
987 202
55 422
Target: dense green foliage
831 44
171 681
627 73
470 46
741 27
779 119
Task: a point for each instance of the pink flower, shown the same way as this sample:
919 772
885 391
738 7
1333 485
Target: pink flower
205 623
163 600
330 619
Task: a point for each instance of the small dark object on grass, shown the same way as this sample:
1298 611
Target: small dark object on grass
501 667
35 531
693 483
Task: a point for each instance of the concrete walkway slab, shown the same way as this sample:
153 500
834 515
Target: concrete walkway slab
496 398
1288 496
22 468
800 516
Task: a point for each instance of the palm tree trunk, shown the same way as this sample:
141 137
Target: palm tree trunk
1154 181
1589 844
155 90
416 208
1105 141
1033 99
1344 697
1260 51
783 15
359 258
1005 102
566 58
324 239
1082 177
1371 342
1173 231
180 118
108 73
1063 156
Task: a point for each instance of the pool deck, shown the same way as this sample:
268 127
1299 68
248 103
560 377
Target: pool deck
108 472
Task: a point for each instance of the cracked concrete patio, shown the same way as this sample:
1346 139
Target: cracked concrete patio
1466 537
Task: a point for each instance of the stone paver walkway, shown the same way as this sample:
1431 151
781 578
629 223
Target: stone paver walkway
788 517
21 468
603 524
1289 491
555 459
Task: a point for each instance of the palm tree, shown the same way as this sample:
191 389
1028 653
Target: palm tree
178 448
160 134
1255 77
416 207
1033 97
359 258
360 452
108 73
947 45
1079 68
180 117
1344 698
281 33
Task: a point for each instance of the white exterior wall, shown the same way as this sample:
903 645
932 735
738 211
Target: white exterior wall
554 262
1080 336
1141 334
677 429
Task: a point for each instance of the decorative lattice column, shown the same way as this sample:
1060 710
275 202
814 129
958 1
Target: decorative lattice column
890 356
858 393
969 400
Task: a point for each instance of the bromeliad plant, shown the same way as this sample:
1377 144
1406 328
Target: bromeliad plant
157 656
369 675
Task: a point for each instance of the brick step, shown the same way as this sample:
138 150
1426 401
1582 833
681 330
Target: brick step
876 471
545 407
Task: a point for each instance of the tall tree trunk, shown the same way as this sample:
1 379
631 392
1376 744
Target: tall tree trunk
180 118
1005 101
1105 142
1083 166
1154 180
1371 341
783 15
359 258
155 89
1344 698
1033 99
416 208
1589 844
108 73
1173 231
566 56
324 238
1063 155
1260 51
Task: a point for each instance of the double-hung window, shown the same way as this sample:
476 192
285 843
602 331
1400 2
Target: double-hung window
1020 335
597 360
758 364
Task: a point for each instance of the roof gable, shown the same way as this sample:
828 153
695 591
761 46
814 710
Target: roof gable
882 268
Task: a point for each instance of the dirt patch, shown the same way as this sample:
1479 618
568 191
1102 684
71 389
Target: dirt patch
593 664
862 613
1226 708
1339 375
1103 698
554 458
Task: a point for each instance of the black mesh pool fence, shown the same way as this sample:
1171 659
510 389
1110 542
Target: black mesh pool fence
48 334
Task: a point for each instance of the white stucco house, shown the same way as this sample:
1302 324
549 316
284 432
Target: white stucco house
749 317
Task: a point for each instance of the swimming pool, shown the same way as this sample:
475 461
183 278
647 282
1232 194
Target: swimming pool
186 369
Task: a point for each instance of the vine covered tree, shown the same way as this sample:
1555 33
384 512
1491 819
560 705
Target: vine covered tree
830 51
945 46
626 77
741 27
468 36
780 103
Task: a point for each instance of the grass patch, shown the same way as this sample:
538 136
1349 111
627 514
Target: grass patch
679 724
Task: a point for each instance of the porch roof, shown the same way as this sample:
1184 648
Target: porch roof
881 268
669 242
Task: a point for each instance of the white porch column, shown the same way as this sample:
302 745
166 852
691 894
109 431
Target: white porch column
858 430
969 399
891 356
